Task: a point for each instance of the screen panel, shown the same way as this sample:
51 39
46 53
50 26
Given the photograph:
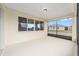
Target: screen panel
64 27
52 27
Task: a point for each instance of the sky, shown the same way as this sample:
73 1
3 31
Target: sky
66 22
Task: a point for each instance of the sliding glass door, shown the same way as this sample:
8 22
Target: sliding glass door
61 28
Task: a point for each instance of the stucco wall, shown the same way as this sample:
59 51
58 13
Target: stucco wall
12 35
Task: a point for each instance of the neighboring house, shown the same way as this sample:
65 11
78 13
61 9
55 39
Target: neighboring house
59 27
52 27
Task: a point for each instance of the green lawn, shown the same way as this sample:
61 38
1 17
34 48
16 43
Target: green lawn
59 31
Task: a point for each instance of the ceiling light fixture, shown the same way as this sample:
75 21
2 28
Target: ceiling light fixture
45 10
44 13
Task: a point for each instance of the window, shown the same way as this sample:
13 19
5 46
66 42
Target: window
41 25
37 25
22 25
30 25
25 24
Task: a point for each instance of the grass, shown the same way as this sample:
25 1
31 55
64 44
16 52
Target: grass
59 31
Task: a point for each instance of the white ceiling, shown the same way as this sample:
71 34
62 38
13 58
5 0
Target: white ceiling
36 9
